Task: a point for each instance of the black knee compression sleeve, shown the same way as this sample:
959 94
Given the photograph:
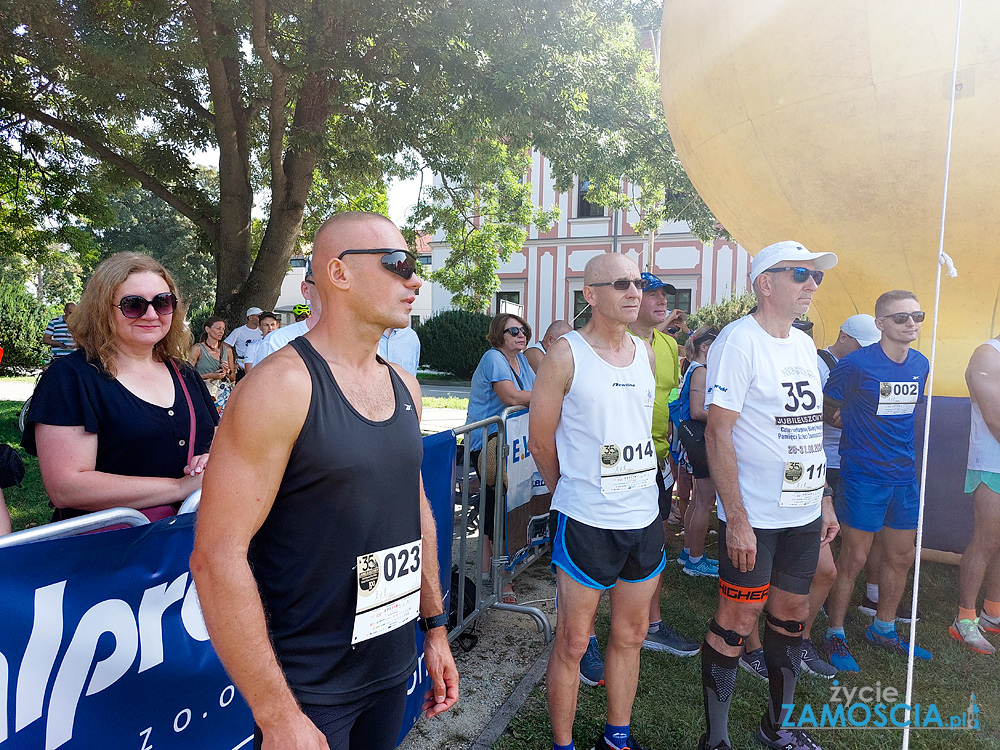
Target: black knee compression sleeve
718 678
783 657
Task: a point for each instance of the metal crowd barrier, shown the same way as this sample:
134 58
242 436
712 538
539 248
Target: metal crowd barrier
74 526
491 597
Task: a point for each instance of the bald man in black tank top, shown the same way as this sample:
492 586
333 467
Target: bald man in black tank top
313 497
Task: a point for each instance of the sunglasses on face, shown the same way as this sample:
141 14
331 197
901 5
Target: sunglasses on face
134 306
622 284
400 262
900 318
799 275
516 330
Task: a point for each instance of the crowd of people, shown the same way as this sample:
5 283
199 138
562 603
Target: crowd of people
793 447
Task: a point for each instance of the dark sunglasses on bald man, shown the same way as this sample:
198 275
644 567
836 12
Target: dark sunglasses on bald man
622 284
400 262
134 306
799 274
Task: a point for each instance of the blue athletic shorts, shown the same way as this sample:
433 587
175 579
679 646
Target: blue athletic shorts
869 507
598 558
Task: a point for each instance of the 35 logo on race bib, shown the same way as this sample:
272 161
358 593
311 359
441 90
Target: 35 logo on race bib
628 467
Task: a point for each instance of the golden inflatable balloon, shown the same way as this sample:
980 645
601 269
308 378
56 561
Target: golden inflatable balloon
827 123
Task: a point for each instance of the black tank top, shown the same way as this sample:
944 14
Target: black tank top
351 488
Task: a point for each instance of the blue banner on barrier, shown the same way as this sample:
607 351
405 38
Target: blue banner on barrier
102 642
438 473
103 645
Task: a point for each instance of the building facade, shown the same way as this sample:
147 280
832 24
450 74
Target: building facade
544 281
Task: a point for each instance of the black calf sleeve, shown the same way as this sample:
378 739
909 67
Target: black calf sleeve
783 657
718 678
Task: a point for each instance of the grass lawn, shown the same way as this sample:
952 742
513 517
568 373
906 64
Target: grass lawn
29 506
441 402
668 710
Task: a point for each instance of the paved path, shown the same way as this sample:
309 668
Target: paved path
15 390
444 388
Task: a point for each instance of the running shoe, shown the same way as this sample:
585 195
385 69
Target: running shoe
682 558
989 624
703 567
753 662
838 655
674 517
632 744
894 642
669 640
815 664
971 634
703 744
592 666
868 607
785 739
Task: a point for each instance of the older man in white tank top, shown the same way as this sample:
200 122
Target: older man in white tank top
983 480
590 432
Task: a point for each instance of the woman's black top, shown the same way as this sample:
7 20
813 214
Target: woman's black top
350 490
134 437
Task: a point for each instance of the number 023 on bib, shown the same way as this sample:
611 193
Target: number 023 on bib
388 590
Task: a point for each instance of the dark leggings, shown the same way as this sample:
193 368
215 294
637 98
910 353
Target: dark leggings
371 723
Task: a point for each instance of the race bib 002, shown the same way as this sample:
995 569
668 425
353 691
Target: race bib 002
802 484
628 467
388 590
897 398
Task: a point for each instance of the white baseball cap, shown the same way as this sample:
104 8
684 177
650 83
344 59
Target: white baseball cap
254 311
788 250
862 329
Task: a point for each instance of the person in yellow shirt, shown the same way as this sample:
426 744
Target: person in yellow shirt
654 316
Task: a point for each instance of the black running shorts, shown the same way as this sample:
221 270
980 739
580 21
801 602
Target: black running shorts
786 558
598 558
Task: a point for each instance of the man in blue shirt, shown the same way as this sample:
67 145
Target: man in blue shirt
874 392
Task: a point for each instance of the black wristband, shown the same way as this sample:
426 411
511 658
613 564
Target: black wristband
437 621
828 491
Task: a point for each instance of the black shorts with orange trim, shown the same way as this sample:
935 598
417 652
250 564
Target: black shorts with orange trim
786 558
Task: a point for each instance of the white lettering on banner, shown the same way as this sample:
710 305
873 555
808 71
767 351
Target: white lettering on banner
134 633
520 463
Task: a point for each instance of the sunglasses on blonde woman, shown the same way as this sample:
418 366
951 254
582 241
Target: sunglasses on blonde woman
134 306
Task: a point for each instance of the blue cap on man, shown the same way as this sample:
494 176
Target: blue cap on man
653 283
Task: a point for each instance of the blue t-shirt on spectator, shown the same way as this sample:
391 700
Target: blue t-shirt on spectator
879 397
483 400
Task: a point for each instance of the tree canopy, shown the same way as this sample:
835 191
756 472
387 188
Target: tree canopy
315 104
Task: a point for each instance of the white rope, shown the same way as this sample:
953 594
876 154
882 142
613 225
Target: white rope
942 259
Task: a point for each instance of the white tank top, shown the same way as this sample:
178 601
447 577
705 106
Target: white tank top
607 463
984 450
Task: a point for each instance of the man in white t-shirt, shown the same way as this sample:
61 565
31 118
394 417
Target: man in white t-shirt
590 431
282 336
765 448
536 351
241 338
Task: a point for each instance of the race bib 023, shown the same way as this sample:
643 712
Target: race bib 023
388 590
897 398
631 466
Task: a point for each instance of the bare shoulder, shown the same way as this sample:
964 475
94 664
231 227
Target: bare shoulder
273 399
556 370
650 355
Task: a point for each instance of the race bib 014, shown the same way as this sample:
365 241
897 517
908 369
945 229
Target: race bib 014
628 467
